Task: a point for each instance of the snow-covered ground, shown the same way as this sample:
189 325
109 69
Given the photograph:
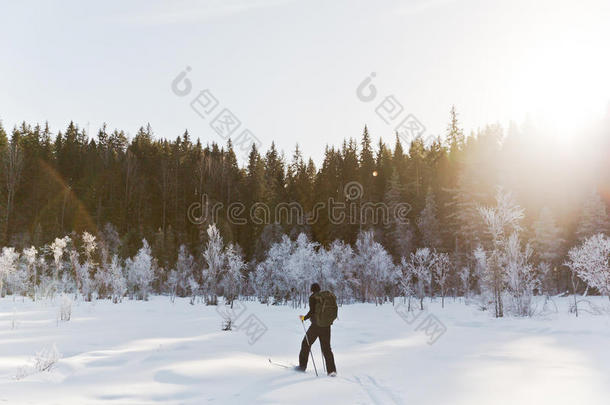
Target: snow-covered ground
158 352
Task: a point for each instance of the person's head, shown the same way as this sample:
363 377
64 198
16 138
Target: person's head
315 287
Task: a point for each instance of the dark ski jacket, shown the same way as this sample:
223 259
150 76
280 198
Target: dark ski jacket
312 309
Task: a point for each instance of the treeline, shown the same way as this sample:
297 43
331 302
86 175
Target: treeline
142 187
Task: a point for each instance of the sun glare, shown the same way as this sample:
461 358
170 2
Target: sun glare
565 86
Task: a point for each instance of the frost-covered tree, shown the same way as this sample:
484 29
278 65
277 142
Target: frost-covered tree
464 276
31 263
500 221
185 267
215 261
521 276
171 284
375 269
195 289
8 267
82 272
418 270
594 217
140 273
441 266
110 281
484 276
118 284
89 246
110 239
302 269
337 267
590 262
57 249
232 278
270 278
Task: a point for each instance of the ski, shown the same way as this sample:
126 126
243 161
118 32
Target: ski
281 365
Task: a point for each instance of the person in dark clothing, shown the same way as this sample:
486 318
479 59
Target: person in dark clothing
315 331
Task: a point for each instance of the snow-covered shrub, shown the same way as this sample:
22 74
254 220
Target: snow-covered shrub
46 358
42 361
140 273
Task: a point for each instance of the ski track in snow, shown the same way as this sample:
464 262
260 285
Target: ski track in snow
377 393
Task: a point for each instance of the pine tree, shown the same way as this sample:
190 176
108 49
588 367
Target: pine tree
455 135
367 165
12 161
254 192
398 231
594 217
428 223
547 240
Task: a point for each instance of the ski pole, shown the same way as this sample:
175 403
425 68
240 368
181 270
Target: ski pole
310 351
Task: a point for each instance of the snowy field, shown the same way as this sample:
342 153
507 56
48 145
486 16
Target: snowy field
158 352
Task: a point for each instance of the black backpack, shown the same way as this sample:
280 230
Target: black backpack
326 308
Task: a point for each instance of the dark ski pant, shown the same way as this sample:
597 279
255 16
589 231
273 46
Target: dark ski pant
314 332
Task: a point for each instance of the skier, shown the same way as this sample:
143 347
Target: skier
322 312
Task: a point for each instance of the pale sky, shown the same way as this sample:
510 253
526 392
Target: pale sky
289 70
